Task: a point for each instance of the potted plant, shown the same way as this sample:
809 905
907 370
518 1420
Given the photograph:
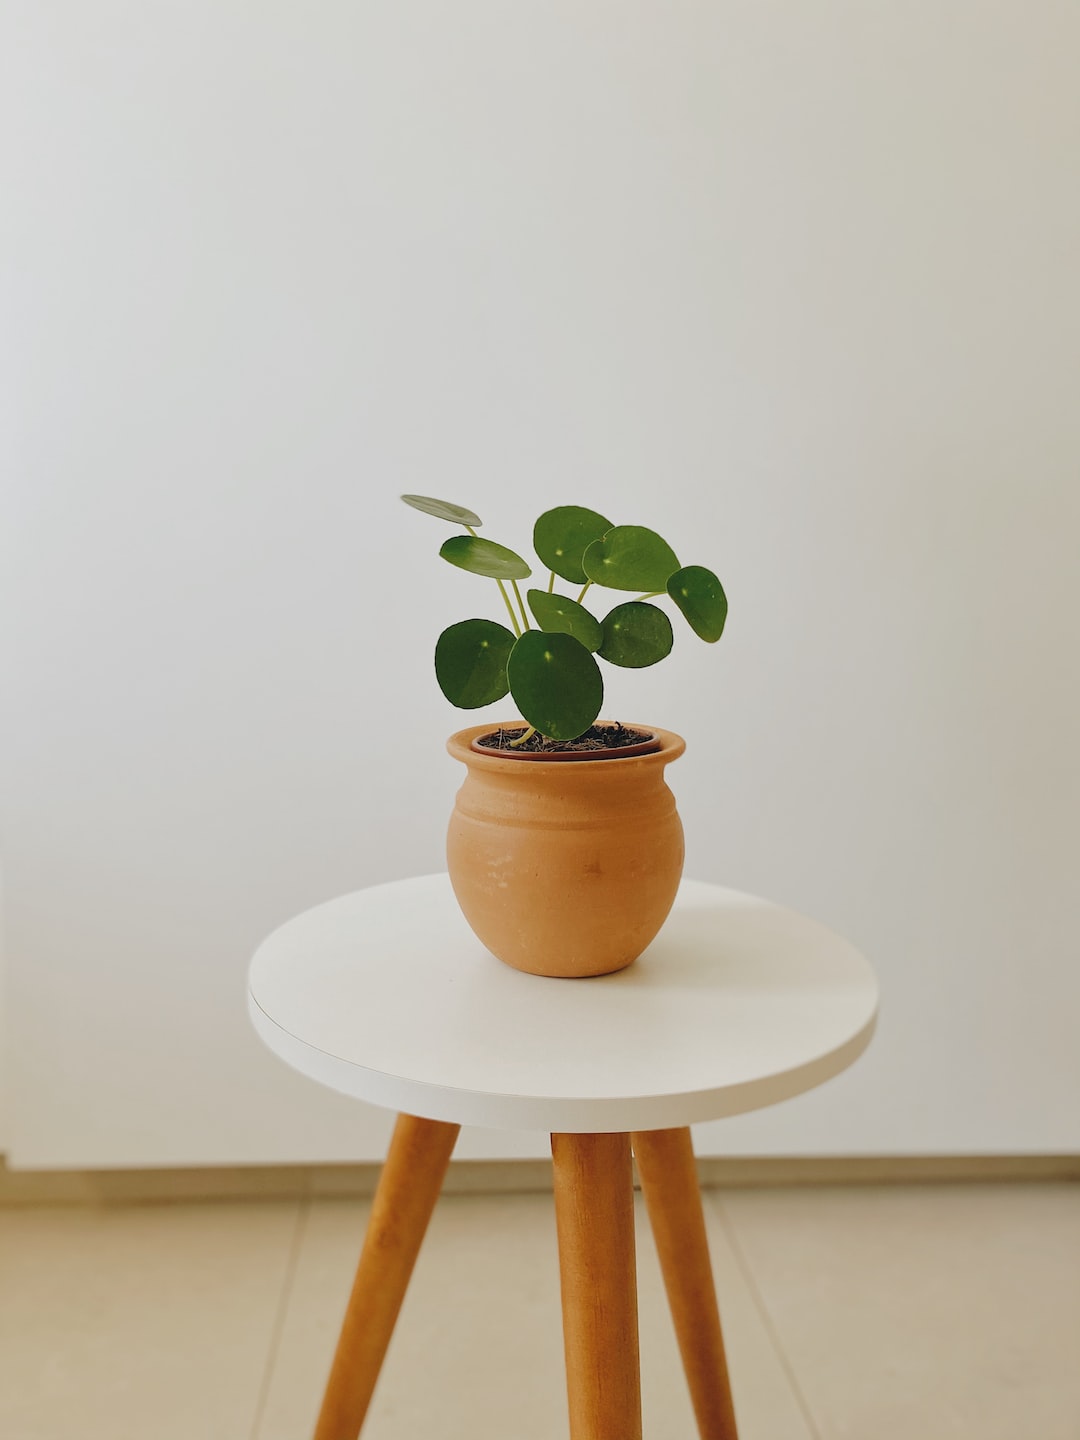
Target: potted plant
565 848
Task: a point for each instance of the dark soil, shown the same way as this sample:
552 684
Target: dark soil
597 737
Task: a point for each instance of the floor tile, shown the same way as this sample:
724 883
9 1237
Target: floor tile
940 1311
139 1323
478 1350
766 1406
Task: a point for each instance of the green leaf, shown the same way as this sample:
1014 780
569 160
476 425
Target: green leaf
470 662
556 684
700 596
558 614
442 509
484 557
561 536
629 557
636 635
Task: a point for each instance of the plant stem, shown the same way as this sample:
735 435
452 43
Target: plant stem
506 597
582 595
551 582
506 602
522 738
650 594
521 605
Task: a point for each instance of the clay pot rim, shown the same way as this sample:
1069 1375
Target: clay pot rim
664 745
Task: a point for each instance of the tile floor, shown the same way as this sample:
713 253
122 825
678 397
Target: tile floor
851 1314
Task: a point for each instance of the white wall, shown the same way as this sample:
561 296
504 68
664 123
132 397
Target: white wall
3 1027
794 283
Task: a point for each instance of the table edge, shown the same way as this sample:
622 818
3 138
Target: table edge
562 1114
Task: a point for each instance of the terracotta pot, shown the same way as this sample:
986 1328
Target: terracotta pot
565 869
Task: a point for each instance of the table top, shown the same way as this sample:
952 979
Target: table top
386 995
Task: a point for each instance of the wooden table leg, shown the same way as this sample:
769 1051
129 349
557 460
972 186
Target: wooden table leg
594 1213
665 1161
408 1188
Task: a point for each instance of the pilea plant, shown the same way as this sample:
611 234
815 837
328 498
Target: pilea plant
547 663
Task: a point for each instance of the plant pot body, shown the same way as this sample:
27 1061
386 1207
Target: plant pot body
565 869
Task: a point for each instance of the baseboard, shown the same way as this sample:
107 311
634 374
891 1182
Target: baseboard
292 1182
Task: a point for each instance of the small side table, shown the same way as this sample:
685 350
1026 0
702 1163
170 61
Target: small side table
386 995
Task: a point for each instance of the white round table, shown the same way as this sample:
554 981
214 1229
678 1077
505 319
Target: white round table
386 995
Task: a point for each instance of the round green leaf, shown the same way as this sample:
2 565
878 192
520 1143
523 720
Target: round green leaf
443 509
636 635
556 684
700 596
557 613
629 557
484 557
560 538
470 662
